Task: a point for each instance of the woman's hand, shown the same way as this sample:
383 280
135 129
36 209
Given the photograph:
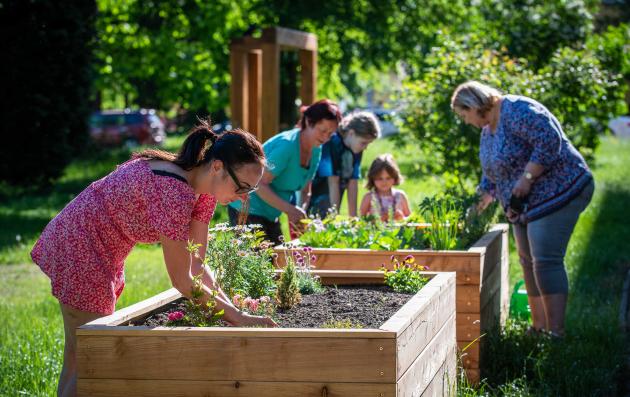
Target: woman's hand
247 320
522 187
296 214
485 200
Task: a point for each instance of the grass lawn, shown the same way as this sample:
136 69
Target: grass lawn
586 363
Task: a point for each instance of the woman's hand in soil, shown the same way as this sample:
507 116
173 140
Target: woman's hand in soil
247 320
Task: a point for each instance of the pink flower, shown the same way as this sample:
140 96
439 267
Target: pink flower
313 258
253 305
236 299
175 316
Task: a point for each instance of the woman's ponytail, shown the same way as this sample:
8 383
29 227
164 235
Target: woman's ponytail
193 150
197 143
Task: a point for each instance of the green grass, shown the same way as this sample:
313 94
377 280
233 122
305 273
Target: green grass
586 363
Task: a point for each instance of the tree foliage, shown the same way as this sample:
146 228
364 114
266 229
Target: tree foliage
166 53
573 85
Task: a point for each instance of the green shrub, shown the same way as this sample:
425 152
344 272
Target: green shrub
288 294
241 260
535 29
572 85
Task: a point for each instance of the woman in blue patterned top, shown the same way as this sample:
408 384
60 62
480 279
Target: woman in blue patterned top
542 183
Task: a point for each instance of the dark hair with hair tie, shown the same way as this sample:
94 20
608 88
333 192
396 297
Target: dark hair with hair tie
324 109
202 145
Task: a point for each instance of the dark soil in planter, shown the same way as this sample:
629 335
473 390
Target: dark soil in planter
365 306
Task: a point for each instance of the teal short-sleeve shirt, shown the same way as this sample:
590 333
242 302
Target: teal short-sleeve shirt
283 156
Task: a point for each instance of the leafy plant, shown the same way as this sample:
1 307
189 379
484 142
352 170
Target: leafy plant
197 314
288 294
572 84
406 276
344 323
444 215
241 260
338 231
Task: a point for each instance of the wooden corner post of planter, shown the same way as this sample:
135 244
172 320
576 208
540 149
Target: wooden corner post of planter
255 70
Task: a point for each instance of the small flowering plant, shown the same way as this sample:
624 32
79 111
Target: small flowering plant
262 306
406 276
304 260
197 313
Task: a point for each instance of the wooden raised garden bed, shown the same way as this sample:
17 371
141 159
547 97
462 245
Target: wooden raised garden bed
482 282
411 354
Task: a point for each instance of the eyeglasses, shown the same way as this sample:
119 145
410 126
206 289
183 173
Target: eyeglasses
240 188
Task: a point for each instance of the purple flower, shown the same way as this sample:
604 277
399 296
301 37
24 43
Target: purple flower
313 258
409 258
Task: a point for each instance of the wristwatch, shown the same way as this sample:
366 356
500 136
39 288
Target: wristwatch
528 175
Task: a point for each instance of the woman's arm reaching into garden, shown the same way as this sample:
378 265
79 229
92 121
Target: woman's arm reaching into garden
178 265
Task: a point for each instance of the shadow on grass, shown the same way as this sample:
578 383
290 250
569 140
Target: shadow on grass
24 213
588 361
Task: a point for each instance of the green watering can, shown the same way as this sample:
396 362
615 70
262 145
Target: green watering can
519 306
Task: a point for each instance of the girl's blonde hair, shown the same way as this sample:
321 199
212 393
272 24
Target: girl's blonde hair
475 95
383 162
364 124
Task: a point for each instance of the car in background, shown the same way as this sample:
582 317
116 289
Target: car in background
127 127
386 120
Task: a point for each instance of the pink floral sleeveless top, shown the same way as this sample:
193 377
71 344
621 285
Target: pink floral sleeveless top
84 247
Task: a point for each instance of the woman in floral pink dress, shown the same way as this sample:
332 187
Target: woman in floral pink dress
155 197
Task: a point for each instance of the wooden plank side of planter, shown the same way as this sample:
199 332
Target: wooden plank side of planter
243 358
467 264
444 383
470 357
190 388
426 366
468 299
468 326
139 309
421 319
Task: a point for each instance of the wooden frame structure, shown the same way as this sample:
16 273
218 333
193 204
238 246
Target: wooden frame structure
255 70
413 353
482 282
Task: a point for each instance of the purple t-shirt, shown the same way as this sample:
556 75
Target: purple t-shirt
526 132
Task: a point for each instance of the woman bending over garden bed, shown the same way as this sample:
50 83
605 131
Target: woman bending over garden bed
155 197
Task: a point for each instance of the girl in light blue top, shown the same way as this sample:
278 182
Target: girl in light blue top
292 157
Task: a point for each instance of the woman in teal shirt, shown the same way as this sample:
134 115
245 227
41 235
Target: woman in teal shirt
292 157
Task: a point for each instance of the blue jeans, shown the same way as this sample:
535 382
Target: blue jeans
542 245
